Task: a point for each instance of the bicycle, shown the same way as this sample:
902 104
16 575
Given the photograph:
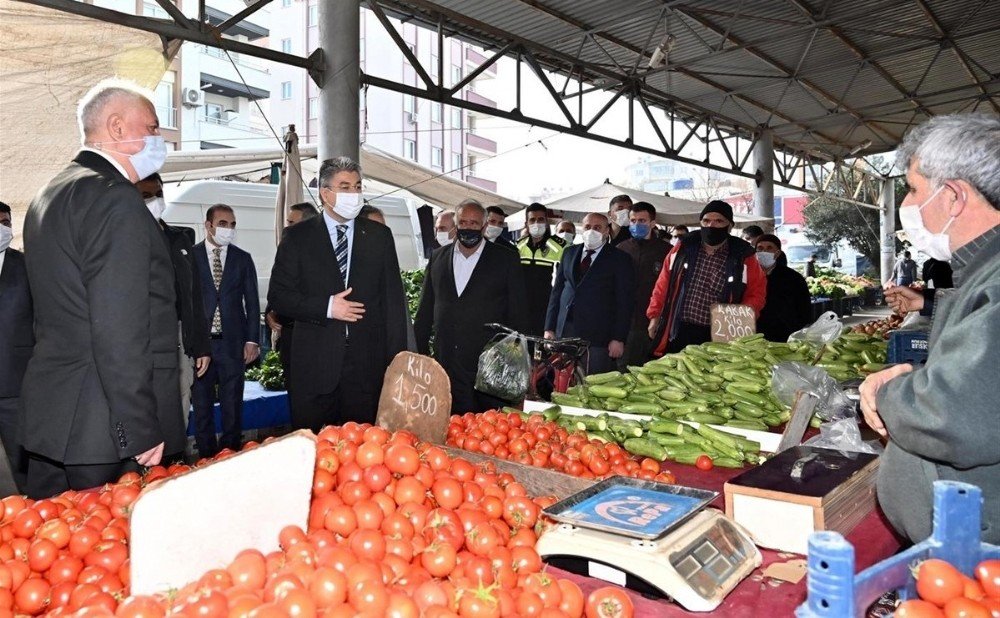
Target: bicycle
556 364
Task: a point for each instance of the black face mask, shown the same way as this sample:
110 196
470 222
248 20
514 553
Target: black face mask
712 236
470 238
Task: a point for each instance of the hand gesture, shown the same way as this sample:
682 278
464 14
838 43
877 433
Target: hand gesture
869 395
903 300
616 349
346 310
151 457
201 365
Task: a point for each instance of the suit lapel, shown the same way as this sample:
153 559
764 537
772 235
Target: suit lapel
229 268
6 272
359 252
574 263
449 269
477 268
326 251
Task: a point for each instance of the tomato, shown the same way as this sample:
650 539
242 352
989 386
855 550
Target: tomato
938 581
704 462
31 596
83 540
479 603
447 493
107 554
993 605
248 569
915 608
323 482
960 607
26 523
520 512
572 598
368 514
529 604
369 596
140 607
483 539
65 568
328 587
368 544
525 559
297 603
439 559
55 530
988 574
609 602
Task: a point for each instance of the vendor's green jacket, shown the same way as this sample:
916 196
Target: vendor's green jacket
943 418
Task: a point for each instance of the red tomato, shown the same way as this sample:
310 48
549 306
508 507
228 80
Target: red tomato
988 574
939 582
328 587
960 607
609 602
248 569
31 596
915 608
572 599
704 462
439 559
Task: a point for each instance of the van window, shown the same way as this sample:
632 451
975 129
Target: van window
801 253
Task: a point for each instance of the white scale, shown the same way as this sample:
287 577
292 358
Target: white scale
654 538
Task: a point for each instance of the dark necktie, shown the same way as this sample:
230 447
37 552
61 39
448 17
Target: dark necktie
342 251
584 264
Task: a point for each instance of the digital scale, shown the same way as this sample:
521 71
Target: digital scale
654 538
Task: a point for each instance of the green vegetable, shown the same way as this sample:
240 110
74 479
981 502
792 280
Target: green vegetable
645 448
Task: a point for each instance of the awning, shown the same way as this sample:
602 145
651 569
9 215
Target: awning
230 88
253 163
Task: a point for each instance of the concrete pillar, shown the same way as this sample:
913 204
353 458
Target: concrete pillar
339 98
763 163
887 229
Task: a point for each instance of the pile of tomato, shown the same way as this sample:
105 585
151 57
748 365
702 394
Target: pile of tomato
544 444
945 592
396 528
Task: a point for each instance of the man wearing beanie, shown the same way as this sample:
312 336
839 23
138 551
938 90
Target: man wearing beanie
705 267
788 307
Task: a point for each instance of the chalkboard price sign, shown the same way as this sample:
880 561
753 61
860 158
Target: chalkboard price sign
732 322
416 396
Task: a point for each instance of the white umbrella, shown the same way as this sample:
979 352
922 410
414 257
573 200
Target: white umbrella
290 185
669 210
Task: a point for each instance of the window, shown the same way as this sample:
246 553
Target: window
410 149
213 111
456 74
437 155
435 112
151 9
456 162
471 170
313 15
286 3
456 118
471 124
409 104
313 107
433 68
286 90
164 100
286 46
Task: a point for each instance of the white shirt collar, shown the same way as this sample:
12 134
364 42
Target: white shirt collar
331 224
118 166
597 252
475 254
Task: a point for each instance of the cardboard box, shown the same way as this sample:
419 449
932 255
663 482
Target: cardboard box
836 491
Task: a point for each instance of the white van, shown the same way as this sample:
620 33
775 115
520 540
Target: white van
253 204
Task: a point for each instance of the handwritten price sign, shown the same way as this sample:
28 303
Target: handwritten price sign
416 396
732 322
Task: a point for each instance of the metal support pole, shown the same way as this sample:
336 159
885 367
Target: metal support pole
339 97
763 163
887 229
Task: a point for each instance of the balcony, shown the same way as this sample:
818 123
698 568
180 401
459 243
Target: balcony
482 183
475 97
476 59
219 131
214 54
480 143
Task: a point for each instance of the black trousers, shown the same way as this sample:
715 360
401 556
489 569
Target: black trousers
689 334
638 348
225 372
16 456
354 399
47 478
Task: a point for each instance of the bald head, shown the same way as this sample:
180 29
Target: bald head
117 117
596 221
106 100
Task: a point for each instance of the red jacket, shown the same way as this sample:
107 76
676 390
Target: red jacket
747 284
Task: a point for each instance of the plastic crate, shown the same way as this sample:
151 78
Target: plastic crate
835 592
908 346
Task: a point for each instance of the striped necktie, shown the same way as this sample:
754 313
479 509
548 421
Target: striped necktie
217 278
342 251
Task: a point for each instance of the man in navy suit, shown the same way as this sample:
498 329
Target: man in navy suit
593 294
229 293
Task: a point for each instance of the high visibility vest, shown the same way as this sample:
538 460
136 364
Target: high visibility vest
548 255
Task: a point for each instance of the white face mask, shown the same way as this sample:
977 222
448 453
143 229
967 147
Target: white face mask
621 217
156 206
934 245
537 230
6 235
493 232
592 239
223 236
443 238
347 205
569 237
766 259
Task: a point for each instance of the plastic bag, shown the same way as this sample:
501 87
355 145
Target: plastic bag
505 368
839 429
825 330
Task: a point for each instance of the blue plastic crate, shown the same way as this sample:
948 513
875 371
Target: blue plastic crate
908 346
836 592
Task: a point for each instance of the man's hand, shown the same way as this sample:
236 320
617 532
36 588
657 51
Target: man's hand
271 318
903 300
201 365
151 457
652 327
250 352
549 334
869 393
346 310
616 349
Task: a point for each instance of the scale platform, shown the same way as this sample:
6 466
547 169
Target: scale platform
654 538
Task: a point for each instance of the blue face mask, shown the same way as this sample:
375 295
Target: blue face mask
639 230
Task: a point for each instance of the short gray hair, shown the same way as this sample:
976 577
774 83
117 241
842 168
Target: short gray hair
956 147
331 167
474 205
447 214
90 110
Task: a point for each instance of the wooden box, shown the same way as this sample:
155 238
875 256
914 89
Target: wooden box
836 491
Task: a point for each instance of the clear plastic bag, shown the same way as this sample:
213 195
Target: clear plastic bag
826 329
839 429
505 368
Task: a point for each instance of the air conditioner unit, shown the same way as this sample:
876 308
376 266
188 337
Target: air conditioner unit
410 117
193 97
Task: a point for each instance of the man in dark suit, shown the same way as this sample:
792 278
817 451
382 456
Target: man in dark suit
468 284
195 352
337 277
230 304
100 393
593 295
16 340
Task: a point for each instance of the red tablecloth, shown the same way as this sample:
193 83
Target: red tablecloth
873 541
